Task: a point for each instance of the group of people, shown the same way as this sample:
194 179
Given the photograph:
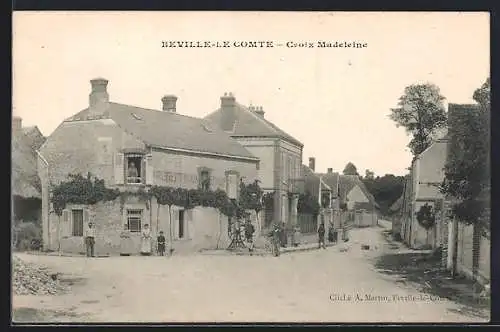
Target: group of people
278 239
127 244
147 242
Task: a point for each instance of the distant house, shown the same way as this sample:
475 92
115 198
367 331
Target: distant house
332 179
35 136
397 210
279 153
427 174
26 188
315 185
133 148
354 196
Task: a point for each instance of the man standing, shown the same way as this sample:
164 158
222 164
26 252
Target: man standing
90 240
276 239
321 236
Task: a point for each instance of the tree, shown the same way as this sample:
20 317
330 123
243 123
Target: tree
467 171
369 175
421 112
350 169
426 218
251 198
386 190
165 196
308 203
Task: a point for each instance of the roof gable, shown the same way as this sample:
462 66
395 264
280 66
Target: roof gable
348 182
35 136
332 179
25 181
312 180
173 130
248 123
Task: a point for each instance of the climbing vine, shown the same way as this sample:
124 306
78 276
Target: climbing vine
141 195
90 190
78 189
467 170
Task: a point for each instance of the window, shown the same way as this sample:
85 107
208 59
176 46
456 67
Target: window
133 168
134 220
77 229
205 180
181 224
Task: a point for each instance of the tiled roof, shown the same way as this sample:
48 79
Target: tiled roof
248 123
347 182
25 181
398 204
332 179
312 180
173 130
35 135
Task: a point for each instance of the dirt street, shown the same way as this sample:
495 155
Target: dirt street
329 285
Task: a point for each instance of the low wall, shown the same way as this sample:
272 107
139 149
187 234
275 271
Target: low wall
465 254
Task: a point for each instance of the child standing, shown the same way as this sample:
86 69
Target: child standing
161 244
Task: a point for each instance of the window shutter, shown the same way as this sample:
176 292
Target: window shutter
149 169
86 217
143 170
66 226
189 225
65 215
119 168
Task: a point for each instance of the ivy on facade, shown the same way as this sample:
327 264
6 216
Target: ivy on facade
80 190
467 171
91 190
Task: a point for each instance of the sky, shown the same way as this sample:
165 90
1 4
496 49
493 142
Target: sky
334 100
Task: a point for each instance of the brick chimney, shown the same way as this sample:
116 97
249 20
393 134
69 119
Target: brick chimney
259 111
17 123
312 163
329 170
228 109
98 98
169 103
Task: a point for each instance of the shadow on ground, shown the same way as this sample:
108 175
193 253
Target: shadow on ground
424 270
32 315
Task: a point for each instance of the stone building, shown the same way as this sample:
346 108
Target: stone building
25 184
426 175
280 154
161 147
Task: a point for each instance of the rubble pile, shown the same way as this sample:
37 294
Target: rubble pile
29 279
